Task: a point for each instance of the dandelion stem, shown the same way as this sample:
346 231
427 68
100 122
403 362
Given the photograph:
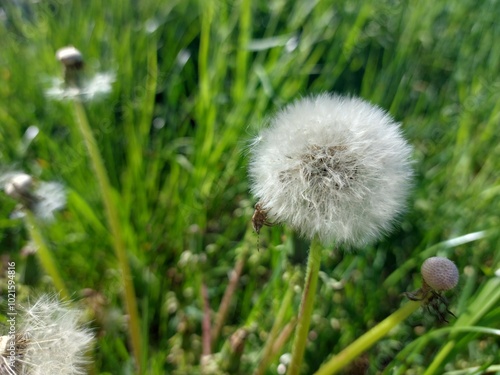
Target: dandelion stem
45 256
368 339
306 306
116 231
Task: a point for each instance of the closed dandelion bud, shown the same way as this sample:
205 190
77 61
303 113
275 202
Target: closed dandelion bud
332 167
70 57
19 186
439 273
72 60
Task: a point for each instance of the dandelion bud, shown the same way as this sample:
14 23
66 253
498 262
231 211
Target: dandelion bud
72 60
439 273
332 167
70 57
19 186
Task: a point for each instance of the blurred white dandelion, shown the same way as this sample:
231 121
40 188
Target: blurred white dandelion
94 88
75 85
42 198
49 339
332 167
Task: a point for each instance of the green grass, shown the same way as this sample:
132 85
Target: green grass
194 82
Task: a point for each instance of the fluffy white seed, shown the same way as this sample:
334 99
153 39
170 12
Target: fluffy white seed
331 166
53 339
439 273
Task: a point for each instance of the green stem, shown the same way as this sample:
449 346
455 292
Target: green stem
45 256
484 302
244 35
306 307
368 339
440 358
267 352
116 231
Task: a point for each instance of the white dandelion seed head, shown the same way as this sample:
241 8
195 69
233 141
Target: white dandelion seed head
94 88
53 339
42 198
75 84
334 167
51 198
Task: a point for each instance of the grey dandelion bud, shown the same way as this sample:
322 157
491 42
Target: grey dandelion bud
332 167
19 186
439 273
72 61
70 57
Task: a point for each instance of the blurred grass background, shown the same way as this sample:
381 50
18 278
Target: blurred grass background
194 82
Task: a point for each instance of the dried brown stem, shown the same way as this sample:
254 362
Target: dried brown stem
225 303
206 327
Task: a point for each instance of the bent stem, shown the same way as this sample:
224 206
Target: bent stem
116 231
306 307
368 339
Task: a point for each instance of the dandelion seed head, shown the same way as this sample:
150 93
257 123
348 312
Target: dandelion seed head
75 85
51 340
94 88
334 167
42 198
51 198
57 342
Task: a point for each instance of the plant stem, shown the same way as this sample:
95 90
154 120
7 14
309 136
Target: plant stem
306 307
116 231
267 352
234 278
368 339
45 255
484 302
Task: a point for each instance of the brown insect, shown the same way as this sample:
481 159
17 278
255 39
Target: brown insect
259 218
435 303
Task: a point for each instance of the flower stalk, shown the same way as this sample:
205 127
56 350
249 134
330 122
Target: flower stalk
45 256
306 306
116 230
341 360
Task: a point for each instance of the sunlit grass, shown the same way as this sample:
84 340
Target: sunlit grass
193 83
